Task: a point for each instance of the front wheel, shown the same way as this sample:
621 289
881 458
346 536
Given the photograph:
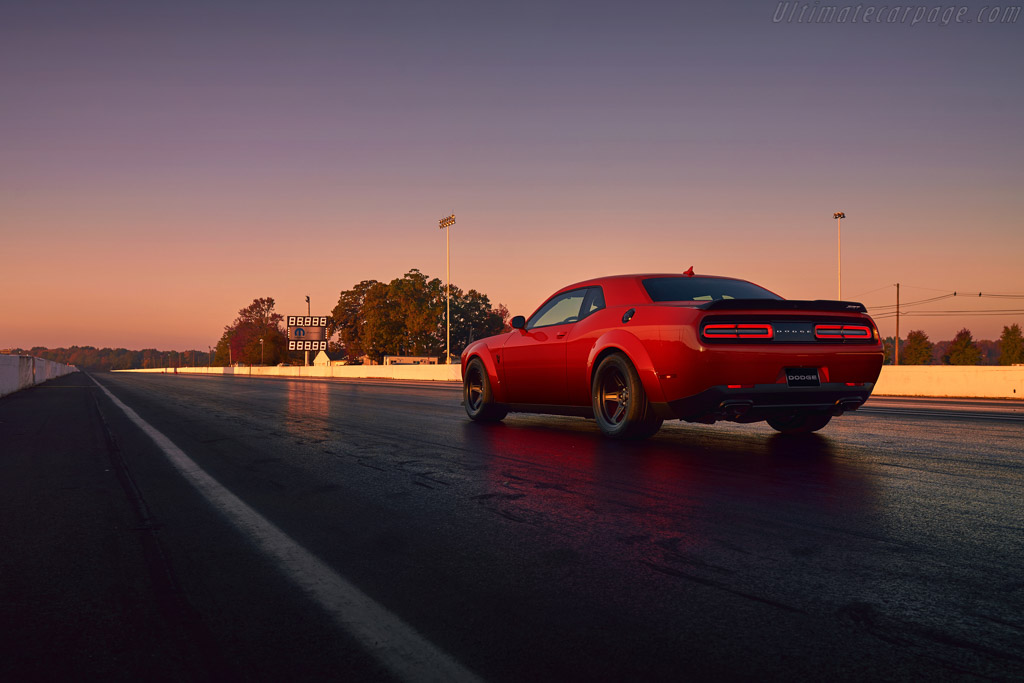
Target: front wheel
800 422
477 395
620 404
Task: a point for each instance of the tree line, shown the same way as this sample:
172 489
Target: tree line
101 360
917 349
373 319
403 317
406 317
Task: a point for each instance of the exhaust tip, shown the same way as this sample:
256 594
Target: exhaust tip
846 404
734 409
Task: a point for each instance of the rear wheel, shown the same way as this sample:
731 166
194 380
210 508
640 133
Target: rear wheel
620 404
477 395
800 422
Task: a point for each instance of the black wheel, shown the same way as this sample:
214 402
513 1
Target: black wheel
619 401
800 422
477 396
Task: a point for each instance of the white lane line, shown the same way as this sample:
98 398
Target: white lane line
394 643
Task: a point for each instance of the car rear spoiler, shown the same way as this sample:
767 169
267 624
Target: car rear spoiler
783 304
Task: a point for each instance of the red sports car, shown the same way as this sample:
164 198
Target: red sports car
634 350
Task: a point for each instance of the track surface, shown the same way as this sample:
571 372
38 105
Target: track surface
891 546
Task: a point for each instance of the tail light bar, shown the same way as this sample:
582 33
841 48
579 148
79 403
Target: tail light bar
738 331
842 332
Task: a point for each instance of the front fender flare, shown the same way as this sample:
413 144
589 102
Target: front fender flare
486 356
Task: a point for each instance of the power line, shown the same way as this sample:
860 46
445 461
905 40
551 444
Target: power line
931 289
857 296
939 314
915 303
961 295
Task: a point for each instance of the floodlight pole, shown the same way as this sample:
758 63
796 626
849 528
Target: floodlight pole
896 350
306 356
261 351
839 216
447 222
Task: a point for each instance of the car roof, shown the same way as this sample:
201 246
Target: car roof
628 289
637 277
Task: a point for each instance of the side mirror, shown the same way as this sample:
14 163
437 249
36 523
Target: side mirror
518 322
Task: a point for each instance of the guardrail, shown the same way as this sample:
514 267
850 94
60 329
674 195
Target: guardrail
19 372
437 373
952 381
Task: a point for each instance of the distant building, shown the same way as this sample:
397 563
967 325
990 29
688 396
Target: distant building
326 359
410 360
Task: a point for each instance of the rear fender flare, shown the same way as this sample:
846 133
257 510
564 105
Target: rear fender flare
633 348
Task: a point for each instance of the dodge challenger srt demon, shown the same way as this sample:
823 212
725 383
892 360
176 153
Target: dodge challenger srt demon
634 350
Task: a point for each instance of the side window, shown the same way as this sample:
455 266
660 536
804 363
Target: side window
564 308
593 302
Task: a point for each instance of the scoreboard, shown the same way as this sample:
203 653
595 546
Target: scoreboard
307 332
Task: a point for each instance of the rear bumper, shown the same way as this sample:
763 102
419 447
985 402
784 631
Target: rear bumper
755 403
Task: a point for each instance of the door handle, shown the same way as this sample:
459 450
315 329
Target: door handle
559 335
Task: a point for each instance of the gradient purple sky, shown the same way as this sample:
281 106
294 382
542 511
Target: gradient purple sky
164 163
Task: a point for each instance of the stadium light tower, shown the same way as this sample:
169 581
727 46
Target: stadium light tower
839 216
447 222
305 357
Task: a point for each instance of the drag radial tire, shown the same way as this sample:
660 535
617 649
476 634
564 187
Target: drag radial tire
800 422
477 395
620 404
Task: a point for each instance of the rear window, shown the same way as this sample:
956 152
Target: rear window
703 289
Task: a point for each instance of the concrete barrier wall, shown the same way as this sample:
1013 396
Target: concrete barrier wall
954 381
19 372
436 373
910 380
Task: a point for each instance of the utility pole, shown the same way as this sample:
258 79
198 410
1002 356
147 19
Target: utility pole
839 216
896 351
448 222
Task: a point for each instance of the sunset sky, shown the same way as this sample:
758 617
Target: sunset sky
164 163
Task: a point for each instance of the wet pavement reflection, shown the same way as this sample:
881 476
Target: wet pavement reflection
307 410
886 534
685 488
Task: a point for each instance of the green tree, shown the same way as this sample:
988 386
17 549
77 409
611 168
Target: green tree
241 339
407 317
420 304
887 345
917 350
347 318
963 350
473 318
1011 345
382 330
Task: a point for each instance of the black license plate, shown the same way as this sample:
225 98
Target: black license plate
802 377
